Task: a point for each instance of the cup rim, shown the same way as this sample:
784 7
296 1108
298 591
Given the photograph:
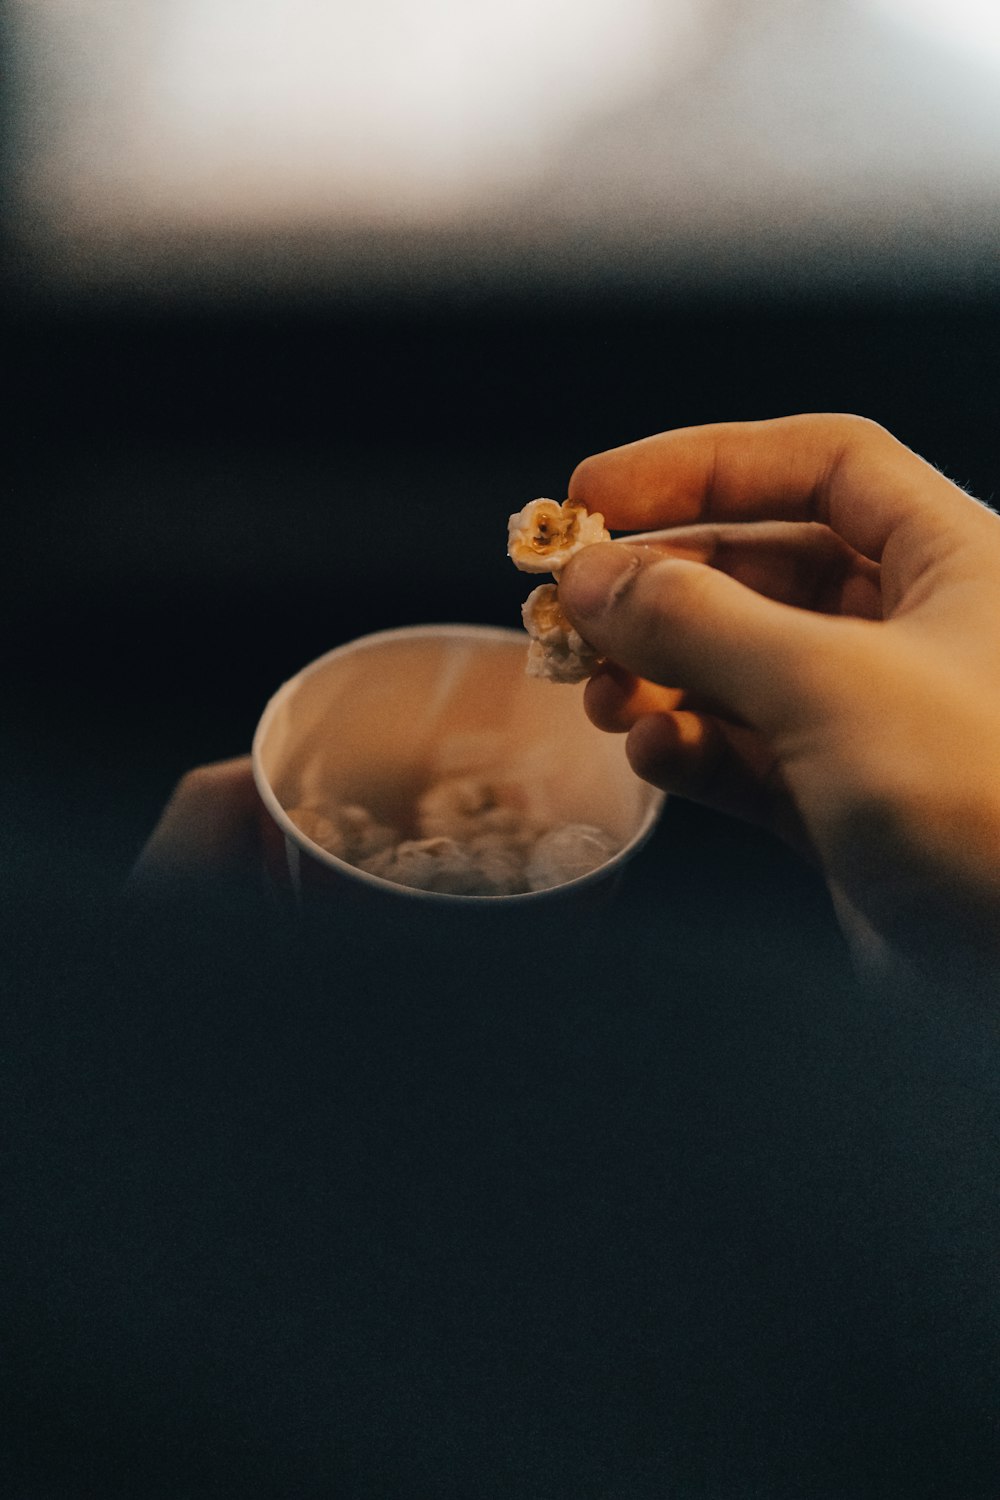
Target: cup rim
343 867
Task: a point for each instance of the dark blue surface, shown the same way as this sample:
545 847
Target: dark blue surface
656 1205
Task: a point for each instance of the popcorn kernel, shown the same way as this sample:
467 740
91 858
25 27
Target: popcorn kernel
544 535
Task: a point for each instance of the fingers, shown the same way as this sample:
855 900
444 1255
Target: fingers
680 624
805 565
614 699
721 766
209 828
844 471
800 563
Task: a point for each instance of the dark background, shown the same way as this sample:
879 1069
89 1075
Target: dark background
654 1203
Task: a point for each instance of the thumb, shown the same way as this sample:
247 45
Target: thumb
689 626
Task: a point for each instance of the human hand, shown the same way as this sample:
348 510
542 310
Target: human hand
814 645
209 829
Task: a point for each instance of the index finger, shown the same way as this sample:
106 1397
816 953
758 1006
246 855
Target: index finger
845 471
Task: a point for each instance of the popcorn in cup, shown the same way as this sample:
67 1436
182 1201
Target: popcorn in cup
424 765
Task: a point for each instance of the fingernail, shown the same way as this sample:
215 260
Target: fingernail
595 578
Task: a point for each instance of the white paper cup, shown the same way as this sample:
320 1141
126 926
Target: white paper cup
374 721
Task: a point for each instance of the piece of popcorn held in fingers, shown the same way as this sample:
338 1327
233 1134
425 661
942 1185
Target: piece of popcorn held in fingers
542 538
557 651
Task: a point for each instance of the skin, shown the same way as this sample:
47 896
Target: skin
805 634
812 643
210 829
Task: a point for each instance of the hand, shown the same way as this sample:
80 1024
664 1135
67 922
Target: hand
813 645
210 828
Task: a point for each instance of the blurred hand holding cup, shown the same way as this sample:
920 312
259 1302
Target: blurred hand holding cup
374 721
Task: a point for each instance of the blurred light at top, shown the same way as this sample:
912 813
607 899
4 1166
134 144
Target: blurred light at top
969 26
626 138
386 106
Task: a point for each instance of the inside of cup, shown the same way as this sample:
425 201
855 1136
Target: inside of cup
377 721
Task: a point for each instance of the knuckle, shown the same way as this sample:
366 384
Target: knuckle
864 431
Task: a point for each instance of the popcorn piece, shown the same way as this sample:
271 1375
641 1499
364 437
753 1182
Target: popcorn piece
497 845
557 651
501 862
430 865
363 834
566 853
556 666
349 832
463 807
452 808
543 536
